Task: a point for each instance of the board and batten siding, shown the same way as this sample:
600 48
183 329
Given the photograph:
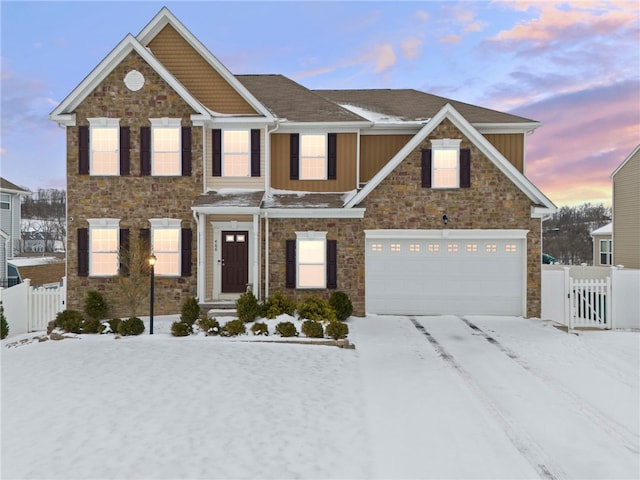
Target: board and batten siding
193 71
510 145
626 213
345 172
377 150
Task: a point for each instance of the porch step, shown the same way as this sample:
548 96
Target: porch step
220 308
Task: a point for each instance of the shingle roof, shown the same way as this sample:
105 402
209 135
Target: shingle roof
414 105
304 200
230 198
7 185
287 99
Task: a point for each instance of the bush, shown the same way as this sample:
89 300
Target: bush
190 311
233 328
315 308
95 305
286 329
4 325
312 329
131 326
114 324
92 325
337 330
181 329
70 321
247 307
209 326
278 304
260 328
342 305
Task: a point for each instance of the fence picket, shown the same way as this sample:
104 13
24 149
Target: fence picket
589 303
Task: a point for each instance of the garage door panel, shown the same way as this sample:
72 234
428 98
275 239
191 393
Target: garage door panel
444 276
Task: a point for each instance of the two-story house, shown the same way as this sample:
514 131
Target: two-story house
10 241
625 181
408 202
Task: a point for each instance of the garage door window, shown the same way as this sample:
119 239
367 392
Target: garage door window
452 248
434 247
510 248
472 247
491 248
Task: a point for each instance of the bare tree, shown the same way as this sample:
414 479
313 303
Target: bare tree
132 279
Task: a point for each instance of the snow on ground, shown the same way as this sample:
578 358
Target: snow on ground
419 397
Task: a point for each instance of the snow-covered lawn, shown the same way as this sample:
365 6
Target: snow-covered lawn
424 397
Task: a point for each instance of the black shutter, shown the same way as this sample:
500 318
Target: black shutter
83 252
185 254
465 168
145 150
186 151
294 156
290 262
332 156
255 153
216 152
332 264
125 136
426 168
83 150
124 252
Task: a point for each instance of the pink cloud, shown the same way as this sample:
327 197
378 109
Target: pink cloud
451 39
384 57
411 47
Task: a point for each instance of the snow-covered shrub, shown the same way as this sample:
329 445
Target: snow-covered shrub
114 324
278 304
286 329
70 321
342 305
233 328
92 325
315 308
95 306
131 326
312 329
4 325
181 329
209 326
247 307
190 311
337 330
260 328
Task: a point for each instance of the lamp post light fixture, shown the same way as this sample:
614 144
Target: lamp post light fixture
152 261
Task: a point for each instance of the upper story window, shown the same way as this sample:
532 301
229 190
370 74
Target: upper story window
445 163
235 153
606 252
5 201
103 247
165 146
104 141
313 157
165 245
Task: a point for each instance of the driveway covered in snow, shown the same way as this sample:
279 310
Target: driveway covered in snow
419 397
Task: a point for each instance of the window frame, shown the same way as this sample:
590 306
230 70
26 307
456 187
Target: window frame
103 224
5 199
445 145
166 123
104 123
312 236
325 156
224 152
608 254
158 224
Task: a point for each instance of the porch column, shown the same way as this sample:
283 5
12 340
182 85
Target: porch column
256 255
201 243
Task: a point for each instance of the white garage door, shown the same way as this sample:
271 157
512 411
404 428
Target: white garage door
431 272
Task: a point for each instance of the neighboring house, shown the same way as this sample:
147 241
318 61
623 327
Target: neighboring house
10 203
603 246
33 242
626 211
408 202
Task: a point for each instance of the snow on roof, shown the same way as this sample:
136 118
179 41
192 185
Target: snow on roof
606 230
32 261
378 117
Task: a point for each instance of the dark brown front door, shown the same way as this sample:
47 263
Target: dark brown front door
235 262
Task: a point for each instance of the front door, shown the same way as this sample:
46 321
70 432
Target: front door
235 261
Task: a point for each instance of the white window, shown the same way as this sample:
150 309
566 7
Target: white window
606 252
105 146
313 157
312 257
236 147
166 156
445 163
5 202
165 245
103 246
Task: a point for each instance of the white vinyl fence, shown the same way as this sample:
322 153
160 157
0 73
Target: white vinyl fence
29 309
591 297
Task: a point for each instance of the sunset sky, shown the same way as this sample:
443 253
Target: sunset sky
574 66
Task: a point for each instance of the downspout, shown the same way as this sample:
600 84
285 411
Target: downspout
267 174
266 255
199 218
204 158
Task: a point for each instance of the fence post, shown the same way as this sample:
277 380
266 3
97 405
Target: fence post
609 301
27 283
567 298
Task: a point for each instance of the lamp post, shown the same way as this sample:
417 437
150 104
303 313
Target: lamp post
152 261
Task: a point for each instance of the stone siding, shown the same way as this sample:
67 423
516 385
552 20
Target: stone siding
492 202
134 199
